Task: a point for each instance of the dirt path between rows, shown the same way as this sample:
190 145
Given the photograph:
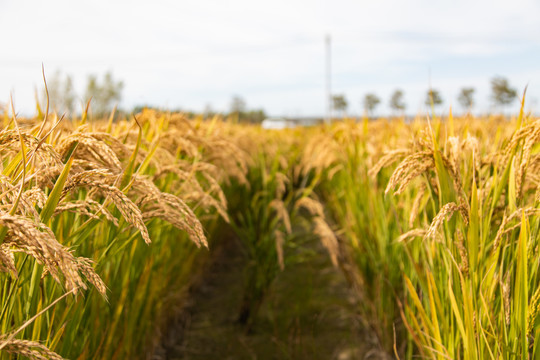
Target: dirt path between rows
309 314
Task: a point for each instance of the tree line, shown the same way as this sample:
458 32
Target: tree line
502 94
105 92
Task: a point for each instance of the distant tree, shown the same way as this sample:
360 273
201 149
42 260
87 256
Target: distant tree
466 99
238 105
501 92
61 93
396 101
208 111
339 103
240 110
433 97
103 94
255 116
370 103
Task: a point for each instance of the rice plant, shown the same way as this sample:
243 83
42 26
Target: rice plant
86 207
273 215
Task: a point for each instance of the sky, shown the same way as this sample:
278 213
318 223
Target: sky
199 54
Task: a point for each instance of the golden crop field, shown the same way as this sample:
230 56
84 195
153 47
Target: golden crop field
433 225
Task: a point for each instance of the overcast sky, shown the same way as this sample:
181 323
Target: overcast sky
192 54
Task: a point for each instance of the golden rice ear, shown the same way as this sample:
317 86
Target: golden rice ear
532 138
460 244
507 219
282 181
534 309
7 261
99 180
313 206
411 167
43 153
447 209
328 238
85 268
319 154
416 204
28 349
453 150
281 213
91 149
157 204
389 158
280 240
23 235
412 234
191 187
122 151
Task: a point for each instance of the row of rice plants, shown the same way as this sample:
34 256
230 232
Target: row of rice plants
441 247
113 206
275 213
369 221
476 290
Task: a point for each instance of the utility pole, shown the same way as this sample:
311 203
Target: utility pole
328 81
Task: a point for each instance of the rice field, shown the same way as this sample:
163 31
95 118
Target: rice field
432 225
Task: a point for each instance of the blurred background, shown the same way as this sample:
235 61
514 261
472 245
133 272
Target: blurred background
272 58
